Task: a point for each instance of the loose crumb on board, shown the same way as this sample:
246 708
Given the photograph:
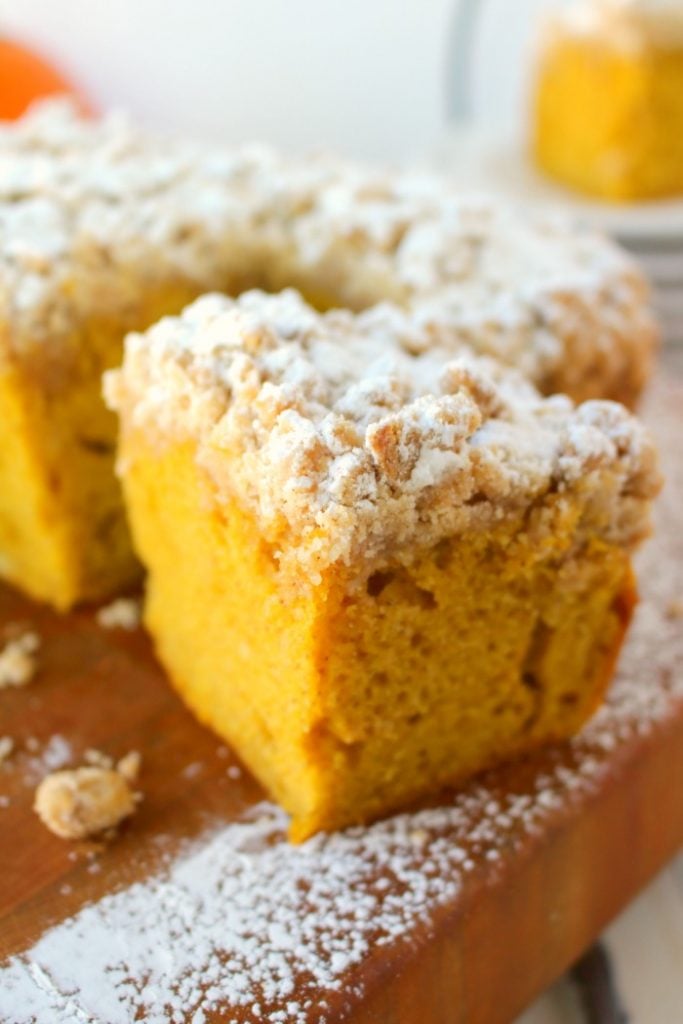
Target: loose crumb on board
123 613
129 766
77 803
18 660
6 747
97 759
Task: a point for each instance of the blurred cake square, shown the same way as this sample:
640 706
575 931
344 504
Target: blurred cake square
608 99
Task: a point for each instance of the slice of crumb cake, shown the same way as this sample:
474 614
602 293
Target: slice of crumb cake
374 570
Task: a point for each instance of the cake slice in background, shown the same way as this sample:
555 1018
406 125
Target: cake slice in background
607 114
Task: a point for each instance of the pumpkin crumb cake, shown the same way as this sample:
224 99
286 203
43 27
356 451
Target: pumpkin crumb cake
105 229
376 565
608 100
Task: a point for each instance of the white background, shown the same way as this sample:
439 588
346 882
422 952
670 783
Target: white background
370 77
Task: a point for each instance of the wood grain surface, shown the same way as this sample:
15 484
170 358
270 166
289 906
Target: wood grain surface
511 929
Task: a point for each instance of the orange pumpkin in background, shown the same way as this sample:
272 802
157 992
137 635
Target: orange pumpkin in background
25 76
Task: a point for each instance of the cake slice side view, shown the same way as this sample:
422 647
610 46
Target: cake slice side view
374 571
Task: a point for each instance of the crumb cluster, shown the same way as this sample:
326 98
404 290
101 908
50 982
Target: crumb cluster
81 802
122 613
18 660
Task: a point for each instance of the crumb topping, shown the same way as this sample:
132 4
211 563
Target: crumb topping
94 214
347 436
123 613
630 24
81 802
6 747
18 660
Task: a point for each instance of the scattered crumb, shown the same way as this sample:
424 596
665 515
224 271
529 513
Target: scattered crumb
4 801
123 613
97 759
192 770
234 772
129 766
82 802
18 661
675 609
6 747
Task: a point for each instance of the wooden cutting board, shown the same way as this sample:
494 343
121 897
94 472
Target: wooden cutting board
201 911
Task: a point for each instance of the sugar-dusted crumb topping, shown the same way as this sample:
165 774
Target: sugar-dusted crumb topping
94 214
18 660
81 802
122 613
631 24
351 436
6 747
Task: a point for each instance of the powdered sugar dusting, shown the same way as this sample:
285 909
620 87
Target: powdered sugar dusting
255 929
54 754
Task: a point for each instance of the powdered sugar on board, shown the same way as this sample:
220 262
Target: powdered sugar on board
246 927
